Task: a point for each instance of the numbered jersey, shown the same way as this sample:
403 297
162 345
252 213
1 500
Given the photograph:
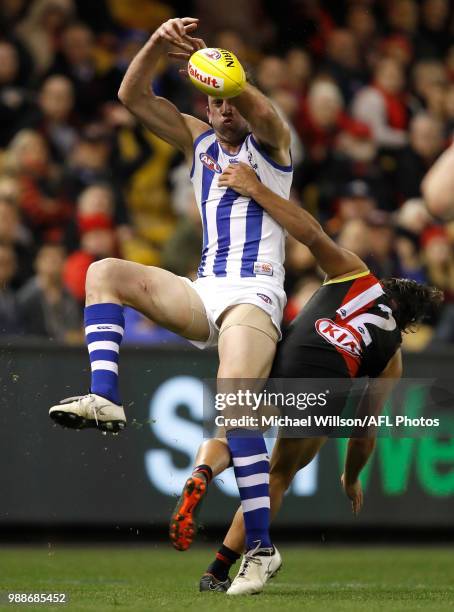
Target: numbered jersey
347 328
240 240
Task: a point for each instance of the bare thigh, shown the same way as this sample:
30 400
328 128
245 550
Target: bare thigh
160 295
247 344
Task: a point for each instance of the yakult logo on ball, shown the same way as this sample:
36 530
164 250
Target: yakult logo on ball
213 54
210 163
206 79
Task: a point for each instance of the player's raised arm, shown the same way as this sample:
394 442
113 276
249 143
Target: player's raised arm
360 449
159 115
268 127
333 259
438 186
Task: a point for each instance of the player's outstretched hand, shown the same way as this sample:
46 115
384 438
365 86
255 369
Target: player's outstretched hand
355 493
239 177
176 32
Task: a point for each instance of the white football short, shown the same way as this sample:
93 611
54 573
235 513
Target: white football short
219 293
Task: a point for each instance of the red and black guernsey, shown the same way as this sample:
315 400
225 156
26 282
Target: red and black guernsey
346 330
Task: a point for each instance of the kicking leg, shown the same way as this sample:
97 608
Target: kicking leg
289 456
111 283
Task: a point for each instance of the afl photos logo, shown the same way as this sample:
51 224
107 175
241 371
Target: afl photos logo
210 163
338 336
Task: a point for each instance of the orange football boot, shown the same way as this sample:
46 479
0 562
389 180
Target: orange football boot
183 526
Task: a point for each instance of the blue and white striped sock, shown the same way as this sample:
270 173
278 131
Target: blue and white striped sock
104 327
252 472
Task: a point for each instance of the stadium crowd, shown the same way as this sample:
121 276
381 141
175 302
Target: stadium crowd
367 87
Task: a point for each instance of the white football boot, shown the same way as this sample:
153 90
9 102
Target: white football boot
257 567
89 410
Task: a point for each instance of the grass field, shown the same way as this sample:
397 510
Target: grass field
158 578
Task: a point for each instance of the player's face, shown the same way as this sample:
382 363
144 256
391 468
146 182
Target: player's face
226 120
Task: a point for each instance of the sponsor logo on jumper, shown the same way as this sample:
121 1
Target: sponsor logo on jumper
263 268
104 327
210 163
206 79
213 54
338 336
265 298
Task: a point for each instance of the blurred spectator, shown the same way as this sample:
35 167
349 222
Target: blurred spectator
428 75
271 74
97 242
402 17
298 71
426 144
53 117
382 105
343 63
320 119
14 235
42 199
181 253
434 35
354 236
355 202
45 306
14 98
77 61
9 318
41 29
411 221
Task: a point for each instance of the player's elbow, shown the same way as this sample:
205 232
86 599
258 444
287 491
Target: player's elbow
130 97
438 203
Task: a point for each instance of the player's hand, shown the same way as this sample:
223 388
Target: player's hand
239 177
195 44
176 32
354 492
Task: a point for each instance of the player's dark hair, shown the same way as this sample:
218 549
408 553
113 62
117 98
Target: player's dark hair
411 302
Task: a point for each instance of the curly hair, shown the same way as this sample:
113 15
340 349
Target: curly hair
411 302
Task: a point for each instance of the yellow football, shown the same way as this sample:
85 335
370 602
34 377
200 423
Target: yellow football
217 73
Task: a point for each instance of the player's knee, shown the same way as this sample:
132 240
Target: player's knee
102 274
280 481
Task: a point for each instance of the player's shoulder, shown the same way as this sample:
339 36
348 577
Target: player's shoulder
197 127
264 156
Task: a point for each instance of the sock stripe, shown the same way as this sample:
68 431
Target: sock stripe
253 480
104 365
255 468
244 461
251 492
103 345
251 466
249 505
103 328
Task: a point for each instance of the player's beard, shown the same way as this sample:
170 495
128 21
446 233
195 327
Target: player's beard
233 133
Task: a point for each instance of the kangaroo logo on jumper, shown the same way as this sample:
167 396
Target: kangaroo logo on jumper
212 54
104 327
210 163
338 336
265 298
